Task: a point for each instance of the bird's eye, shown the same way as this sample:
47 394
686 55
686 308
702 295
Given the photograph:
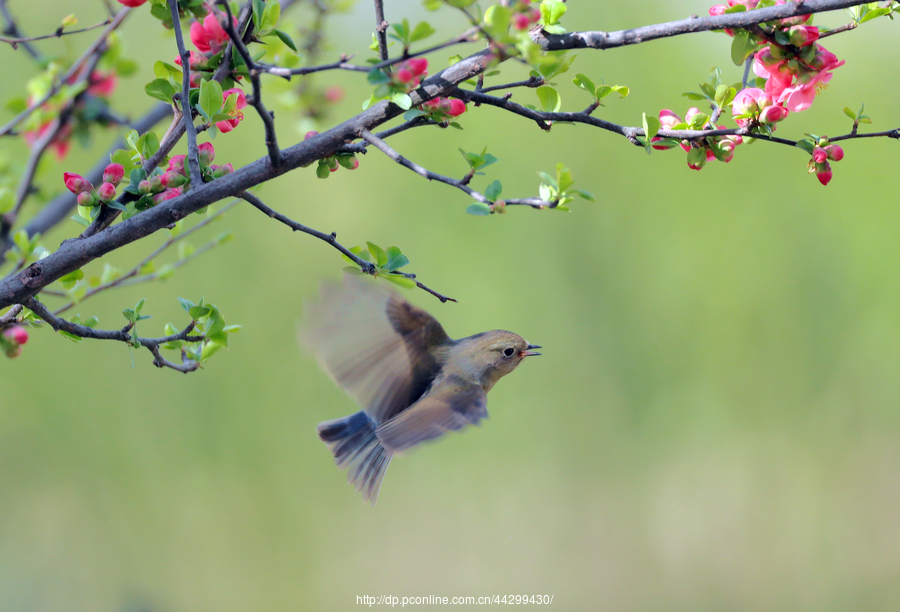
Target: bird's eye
509 351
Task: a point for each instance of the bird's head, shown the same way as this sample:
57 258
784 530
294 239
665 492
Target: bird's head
491 355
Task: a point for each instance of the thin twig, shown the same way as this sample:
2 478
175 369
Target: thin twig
10 315
381 27
120 335
59 33
134 272
366 266
256 101
186 111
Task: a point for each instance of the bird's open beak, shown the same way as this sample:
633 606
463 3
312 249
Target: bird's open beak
529 352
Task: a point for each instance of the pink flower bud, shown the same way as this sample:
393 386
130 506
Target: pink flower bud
86 199
403 75
773 114
220 171
114 174
106 193
521 21
16 334
824 173
803 36
76 183
820 156
718 9
417 65
168 194
207 153
310 135
176 164
457 108
835 152
144 187
132 3
173 179
691 113
156 184
334 94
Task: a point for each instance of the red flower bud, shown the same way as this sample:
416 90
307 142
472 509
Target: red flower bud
819 155
16 334
144 187
310 135
176 164
220 171
207 153
417 65
824 173
835 152
457 108
114 173
403 75
521 21
76 183
132 3
106 193
86 199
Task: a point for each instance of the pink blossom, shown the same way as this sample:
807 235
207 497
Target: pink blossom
194 61
521 21
418 65
403 75
668 119
236 115
210 36
114 174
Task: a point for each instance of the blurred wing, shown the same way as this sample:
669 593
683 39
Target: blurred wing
448 407
374 344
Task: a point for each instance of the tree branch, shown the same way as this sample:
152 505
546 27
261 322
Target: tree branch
743 20
121 335
187 113
59 33
381 27
366 266
256 101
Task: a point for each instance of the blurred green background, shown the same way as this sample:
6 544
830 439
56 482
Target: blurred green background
714 424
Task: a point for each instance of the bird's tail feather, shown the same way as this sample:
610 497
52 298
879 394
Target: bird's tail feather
354 444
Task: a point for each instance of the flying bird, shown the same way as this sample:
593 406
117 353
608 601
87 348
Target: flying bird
413 382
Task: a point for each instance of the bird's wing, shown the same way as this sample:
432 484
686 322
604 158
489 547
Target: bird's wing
449 406
374 344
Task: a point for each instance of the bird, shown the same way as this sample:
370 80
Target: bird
413 382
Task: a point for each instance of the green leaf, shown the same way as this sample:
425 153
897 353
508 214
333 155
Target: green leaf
210 101
872 14
68 281
379 257
692 95
493 191
549 98
479 209
422 30
395 259
563 177
741 46
270 16
849 113
161 89
585 83
402 100
399 280
721 95
651 126
377 77
186 304
496 18
286 39
552 11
